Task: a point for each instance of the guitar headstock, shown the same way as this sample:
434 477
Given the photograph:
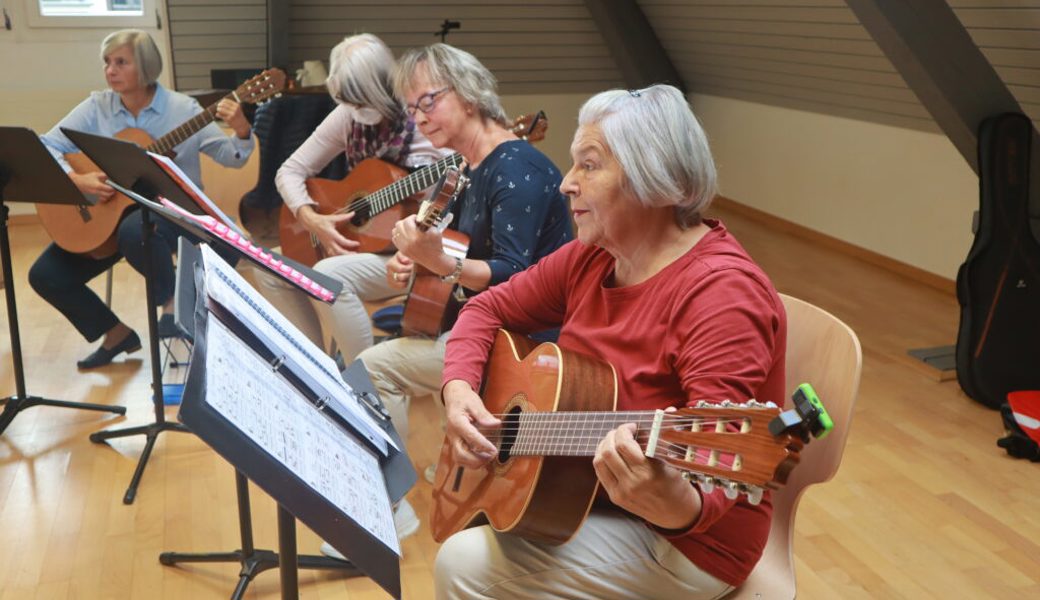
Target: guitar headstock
531 127
260 87
449 188
727 445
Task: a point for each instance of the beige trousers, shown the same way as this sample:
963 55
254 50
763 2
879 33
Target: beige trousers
364 279
403 368
612 557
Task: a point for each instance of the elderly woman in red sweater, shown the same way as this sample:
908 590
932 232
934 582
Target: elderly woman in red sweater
680 310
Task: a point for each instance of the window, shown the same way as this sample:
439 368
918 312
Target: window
91 13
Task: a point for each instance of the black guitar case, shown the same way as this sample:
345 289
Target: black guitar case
998 286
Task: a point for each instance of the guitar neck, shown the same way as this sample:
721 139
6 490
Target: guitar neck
566 433
405 187
166 143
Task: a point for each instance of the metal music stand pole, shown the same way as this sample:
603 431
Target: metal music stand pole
256 561
152 430
32 173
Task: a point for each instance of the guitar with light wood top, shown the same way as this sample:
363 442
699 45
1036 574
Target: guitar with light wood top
556 406
91 229
379 194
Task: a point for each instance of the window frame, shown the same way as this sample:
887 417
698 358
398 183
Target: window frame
148 18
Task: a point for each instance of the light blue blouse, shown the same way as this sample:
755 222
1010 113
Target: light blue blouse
103 113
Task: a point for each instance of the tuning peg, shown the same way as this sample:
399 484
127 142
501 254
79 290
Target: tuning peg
707 485
754 495
731 490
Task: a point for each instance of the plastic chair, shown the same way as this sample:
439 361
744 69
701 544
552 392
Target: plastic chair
825 352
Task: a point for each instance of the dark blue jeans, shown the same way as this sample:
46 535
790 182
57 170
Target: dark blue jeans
60 277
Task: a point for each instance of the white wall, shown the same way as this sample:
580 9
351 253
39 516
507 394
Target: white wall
561 111
905 194
47 71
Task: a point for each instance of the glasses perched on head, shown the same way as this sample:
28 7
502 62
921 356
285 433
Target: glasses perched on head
426 102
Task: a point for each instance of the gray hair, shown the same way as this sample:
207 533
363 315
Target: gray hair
360 70
146 53
457 69
660 146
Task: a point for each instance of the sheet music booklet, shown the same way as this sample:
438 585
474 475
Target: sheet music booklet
275 406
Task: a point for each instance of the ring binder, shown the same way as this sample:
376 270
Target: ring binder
275 429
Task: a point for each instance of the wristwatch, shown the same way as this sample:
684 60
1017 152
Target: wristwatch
455 275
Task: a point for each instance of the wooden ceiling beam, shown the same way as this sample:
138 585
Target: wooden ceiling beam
635 47
931 49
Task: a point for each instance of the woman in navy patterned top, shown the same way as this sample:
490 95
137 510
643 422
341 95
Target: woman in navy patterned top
513 211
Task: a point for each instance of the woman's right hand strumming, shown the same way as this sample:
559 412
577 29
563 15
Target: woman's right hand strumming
94 183
324 227
465 413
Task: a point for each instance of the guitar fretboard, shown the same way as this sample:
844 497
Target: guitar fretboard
568 433
405 187
166 143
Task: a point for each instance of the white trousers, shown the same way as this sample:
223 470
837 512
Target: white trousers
613 556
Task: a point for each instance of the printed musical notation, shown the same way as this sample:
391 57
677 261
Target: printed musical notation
246 391
226 287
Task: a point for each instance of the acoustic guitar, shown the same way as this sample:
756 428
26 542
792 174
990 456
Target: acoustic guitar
541 485
91 230
379 194
431 306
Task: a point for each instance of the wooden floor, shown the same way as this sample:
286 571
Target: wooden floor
925 504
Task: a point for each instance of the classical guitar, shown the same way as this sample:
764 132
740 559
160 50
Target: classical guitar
379 194
542 484
431 306
85 229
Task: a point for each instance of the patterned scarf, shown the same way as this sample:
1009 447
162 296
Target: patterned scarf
388 141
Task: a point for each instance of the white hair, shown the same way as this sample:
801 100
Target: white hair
146 53
461 71
360 70
660 146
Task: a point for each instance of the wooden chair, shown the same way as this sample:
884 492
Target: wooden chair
823 351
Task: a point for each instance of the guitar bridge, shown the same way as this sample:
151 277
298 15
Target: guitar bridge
84 213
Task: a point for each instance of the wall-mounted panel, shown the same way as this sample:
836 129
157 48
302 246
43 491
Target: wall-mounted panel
217 34
543 46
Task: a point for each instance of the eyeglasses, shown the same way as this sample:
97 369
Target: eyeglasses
426 102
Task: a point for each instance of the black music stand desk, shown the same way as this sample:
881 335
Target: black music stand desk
28 173
277 433
252 560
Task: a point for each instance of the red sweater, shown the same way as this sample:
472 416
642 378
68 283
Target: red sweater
709 326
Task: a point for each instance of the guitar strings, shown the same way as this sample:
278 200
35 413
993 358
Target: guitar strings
392 190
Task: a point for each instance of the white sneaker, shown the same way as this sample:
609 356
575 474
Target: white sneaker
406 522
328 550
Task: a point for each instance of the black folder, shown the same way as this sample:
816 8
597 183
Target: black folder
283 479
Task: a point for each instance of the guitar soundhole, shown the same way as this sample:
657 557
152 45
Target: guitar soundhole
361 216
510 427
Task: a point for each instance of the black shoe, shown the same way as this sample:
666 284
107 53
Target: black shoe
167 327
102 356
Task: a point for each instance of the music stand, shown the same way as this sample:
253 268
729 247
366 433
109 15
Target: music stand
112 168
28 173
252 560
131 171
295 494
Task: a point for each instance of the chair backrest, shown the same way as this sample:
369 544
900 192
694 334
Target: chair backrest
825 352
